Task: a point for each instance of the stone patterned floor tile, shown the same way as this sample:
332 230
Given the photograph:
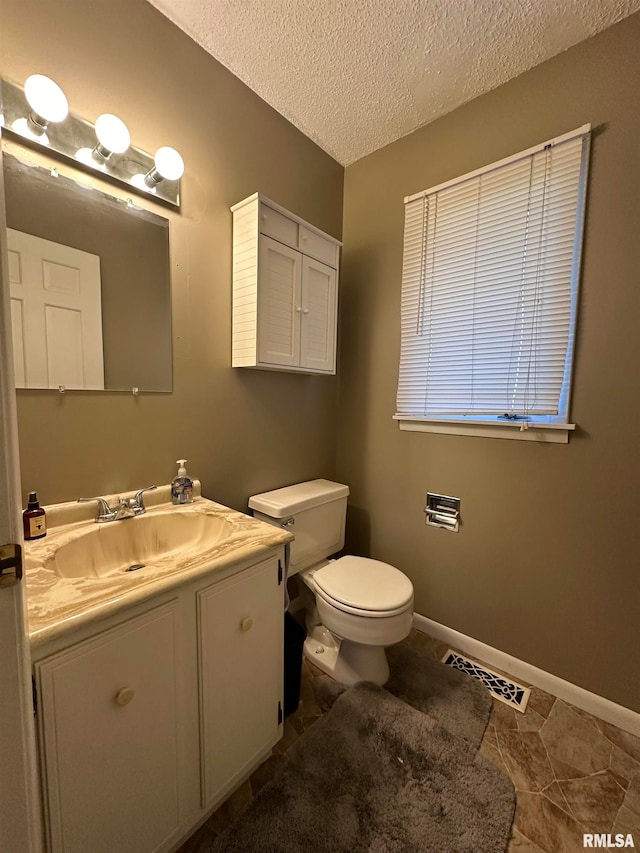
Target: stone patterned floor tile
623 766
554 793
623 740
266 771
526 760
594 799
541 701
490 736
627 822
520 844
503 717
308 706
307 722
492 754
573 742
530 721
544 824
200 841
292 730
428 646
231 808
632 797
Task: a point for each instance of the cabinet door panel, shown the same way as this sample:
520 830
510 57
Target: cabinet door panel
241 658
318 327
111 757
278 303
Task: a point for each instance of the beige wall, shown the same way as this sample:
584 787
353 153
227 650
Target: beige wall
547 563
242 431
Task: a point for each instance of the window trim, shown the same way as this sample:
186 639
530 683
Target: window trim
551 433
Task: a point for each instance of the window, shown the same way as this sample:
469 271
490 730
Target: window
489 295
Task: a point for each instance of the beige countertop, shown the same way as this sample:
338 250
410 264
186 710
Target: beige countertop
58 605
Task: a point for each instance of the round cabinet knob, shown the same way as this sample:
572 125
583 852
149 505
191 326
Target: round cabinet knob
124 696
305 311
246 624
298 308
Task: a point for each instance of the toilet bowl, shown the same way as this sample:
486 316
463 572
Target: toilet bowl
354 606
362 606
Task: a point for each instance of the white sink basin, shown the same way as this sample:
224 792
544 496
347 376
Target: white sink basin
173 537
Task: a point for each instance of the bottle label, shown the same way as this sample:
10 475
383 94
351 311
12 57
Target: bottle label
37 526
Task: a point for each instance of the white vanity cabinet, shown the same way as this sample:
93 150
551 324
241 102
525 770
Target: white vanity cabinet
285 290
148 721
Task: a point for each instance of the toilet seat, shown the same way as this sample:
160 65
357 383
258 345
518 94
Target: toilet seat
364 587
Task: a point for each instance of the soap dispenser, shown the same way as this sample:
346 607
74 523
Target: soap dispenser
182 485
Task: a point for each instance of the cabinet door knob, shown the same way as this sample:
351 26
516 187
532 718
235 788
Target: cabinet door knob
305 311
124 696
298 308
246 624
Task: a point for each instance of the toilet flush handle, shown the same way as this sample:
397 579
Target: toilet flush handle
289 522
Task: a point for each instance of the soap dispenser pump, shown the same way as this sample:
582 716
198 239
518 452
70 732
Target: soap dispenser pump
182 485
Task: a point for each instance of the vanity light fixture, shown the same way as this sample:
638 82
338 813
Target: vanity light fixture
113 138
38 115
48 104
168 166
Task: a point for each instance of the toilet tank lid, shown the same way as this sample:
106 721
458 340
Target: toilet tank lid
281 503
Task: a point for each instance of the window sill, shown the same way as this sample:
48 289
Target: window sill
550 433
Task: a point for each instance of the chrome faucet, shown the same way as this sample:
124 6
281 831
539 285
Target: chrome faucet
123 508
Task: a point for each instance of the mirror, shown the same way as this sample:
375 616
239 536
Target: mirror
90 284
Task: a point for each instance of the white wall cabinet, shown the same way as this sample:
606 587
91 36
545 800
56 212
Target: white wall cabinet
145 726
285 290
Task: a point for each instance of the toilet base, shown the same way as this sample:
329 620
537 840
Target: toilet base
344 660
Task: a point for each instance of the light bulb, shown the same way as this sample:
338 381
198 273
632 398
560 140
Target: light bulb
112 133
46 98
139 182
169 163
85 155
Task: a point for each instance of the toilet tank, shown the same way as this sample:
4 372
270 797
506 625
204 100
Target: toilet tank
315 512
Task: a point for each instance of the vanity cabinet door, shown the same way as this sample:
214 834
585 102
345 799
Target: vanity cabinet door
241 661
109 728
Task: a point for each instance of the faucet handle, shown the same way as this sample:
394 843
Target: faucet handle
139 501
104 510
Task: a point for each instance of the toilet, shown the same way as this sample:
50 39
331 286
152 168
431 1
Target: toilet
355 606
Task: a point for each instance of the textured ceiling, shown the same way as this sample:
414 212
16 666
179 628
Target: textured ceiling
354 75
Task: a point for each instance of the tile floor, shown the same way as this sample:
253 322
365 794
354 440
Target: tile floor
572 772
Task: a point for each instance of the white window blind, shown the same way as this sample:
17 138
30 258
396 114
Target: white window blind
489 287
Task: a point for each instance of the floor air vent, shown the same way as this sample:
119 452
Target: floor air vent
506 691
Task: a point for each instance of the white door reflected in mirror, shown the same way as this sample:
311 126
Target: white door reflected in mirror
56 314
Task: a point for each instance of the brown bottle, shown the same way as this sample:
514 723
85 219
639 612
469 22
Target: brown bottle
34 519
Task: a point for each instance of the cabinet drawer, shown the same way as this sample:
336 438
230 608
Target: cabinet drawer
280 227
318 247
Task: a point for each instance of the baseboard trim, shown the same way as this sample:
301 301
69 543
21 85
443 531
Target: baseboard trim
605 709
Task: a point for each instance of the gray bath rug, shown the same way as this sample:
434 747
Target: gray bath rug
459 703
375 775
